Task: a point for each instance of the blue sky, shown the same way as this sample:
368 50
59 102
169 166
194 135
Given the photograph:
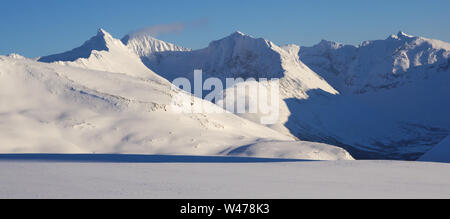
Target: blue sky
33 28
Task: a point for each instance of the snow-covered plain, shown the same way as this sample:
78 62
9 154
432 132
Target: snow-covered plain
197 179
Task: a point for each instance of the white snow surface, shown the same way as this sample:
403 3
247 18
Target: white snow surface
145 45
242 56
388 106
53 108
439 153
393 101
279 149
377 64
103 53
382 99
317 179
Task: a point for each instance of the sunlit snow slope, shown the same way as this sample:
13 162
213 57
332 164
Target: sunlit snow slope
66 107
390 101
242 56
394 97
325 179
383 99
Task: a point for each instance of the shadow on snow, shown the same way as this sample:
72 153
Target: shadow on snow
137 158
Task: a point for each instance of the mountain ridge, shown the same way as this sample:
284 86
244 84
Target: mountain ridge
356 97
145 45
376 64
78 110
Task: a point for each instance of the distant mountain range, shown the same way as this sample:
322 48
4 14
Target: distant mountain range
383 99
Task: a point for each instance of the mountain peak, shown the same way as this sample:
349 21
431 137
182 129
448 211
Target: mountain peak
102 32
137 37
237 32
98 42
401 35
326 42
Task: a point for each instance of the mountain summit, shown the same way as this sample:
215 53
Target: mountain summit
401 35
240 55
377 64
98 42
104 53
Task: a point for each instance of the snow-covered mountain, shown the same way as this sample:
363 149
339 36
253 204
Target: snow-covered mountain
386 124
393 102
76 176
377 64
103 103
384 99
103 53
401 123
145 45
241 55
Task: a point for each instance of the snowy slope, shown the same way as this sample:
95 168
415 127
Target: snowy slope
439 153
401 123
322 179
52 108
242 56
145 45
393 101
390 101
104 53
280 149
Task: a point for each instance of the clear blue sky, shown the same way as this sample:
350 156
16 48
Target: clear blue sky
34 28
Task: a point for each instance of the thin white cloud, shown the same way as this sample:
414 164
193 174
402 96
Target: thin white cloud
171 28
